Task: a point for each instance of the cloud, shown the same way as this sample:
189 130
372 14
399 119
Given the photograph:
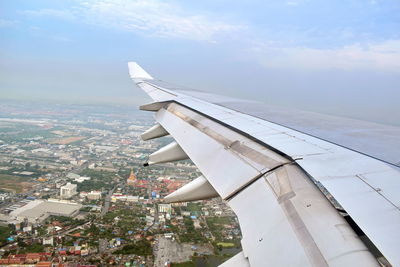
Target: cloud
5 23
292 3
384 56
162 19
150 17
155 18
62 14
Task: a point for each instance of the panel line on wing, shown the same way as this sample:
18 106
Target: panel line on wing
300 229
157 87
360 176
233 145
252 181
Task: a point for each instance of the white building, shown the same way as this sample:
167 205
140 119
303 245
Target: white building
169 235
68 190
73 175
149 220
132 198
185 213
3 196
38 210
48 241
82 179
164 208
27 229
94 195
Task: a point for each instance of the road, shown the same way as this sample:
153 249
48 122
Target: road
103 243
106 206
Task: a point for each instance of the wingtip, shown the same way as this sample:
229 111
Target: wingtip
137 72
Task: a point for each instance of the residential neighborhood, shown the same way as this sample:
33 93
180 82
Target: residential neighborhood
74 192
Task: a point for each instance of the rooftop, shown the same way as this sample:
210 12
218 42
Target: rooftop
41 209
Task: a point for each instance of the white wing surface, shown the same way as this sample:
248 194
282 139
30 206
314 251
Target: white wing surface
285 184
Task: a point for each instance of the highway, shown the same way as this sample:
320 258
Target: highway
107 201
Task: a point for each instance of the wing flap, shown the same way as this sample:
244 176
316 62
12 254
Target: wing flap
284 212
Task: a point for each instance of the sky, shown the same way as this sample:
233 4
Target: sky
334 57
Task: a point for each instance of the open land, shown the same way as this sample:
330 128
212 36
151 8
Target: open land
15 183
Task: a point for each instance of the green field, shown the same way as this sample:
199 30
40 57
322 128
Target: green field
225 244
5 231
20 132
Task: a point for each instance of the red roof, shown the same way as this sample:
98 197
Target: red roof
45 253
32 254
44 264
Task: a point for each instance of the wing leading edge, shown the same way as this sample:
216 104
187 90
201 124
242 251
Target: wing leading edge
269 174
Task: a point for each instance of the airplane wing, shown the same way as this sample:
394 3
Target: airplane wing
290 177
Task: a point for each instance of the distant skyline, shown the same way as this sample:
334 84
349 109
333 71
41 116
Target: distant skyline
335 57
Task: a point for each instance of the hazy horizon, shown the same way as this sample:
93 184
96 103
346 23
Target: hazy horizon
335 58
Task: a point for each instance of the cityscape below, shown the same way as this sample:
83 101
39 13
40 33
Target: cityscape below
74 192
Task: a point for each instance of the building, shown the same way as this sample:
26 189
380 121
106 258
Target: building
38 210
82 179
131 179
185 213
164 208
118 197
48 241
132 198
94 195
169 235
73 176
68 190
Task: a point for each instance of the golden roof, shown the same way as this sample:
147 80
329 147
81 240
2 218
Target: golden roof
132 176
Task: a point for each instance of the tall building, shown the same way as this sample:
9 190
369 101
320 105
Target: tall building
68 190
131 179
165 208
